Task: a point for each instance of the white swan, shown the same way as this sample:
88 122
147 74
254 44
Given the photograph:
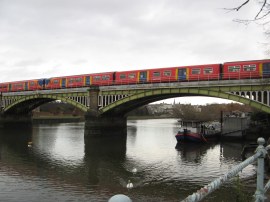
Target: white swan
129 185
29 144
134 170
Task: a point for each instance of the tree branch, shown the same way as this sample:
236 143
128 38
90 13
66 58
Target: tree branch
239 7
264 3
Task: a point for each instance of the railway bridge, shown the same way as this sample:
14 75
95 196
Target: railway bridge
105 106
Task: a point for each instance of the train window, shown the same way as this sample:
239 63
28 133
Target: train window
234 68
105 77
167 73
156 73
208 70
71 80
31 83
195 71
122 76
132 76
249 68
96 78
78 79
18 85
56 81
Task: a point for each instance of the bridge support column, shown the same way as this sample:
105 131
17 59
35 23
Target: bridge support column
105 126
101 125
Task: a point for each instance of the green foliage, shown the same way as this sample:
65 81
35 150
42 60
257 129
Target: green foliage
211 112
241 194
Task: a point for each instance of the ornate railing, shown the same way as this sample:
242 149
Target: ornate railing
259 195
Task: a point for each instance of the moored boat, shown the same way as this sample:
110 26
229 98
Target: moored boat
201 136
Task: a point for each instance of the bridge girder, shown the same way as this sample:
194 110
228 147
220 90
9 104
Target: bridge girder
131 98
141 97
27 103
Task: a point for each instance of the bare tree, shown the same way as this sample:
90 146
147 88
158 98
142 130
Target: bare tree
262 16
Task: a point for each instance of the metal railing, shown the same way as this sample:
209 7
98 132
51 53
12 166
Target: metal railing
259 195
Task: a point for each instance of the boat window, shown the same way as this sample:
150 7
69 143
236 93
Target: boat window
249 68
132 76
208 70
122 76
195 71
234 68
167 73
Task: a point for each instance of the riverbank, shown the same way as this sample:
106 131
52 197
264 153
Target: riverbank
70 118
57 119
148 117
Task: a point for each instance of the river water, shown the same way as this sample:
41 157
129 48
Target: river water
61 167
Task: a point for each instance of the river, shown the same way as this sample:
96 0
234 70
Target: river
60 167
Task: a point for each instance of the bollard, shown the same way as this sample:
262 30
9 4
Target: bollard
259 194
120 198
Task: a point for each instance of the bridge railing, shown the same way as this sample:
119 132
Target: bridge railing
259 195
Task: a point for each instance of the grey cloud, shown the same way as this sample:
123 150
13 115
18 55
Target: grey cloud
116 34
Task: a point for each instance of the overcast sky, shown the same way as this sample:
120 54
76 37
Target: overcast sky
46 38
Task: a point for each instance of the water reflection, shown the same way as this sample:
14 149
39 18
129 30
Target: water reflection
192 152
63 165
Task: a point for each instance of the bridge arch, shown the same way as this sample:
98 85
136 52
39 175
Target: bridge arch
139 99
28 103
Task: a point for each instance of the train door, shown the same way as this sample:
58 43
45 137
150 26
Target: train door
41 83
182 74
64 81
266 69
26 86
87 80
143 76
10 87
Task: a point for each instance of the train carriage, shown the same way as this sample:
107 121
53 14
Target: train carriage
55 83
106 78
127 77
4 87
201 72
77 81
163 75
29 85
246 69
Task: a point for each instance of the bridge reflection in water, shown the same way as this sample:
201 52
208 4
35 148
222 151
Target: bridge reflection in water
63 166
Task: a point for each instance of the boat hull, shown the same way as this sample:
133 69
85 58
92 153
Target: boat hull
188 136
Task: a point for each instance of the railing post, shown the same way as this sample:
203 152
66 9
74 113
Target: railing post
259 194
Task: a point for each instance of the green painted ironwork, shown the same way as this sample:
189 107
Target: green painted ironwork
149 94
62 97
216 91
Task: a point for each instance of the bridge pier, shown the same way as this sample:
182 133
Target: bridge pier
102 125
105 126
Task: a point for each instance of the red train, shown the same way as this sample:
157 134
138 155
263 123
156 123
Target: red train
229 70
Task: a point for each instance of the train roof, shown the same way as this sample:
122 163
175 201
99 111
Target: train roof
248 61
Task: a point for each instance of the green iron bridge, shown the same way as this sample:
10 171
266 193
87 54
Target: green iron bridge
106 102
